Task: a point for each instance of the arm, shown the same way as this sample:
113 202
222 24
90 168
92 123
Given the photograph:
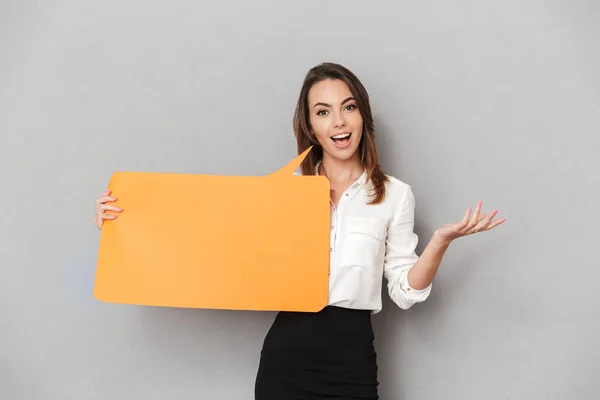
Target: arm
421 274
401 259
410 277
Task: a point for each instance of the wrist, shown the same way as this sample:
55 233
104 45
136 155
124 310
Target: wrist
441 241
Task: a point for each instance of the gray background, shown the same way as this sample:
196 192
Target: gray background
497 101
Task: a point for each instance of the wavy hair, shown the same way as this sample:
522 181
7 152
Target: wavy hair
367 148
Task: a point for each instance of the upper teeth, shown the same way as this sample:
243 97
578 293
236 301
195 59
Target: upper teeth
341 136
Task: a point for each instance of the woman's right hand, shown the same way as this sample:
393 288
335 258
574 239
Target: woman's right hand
101 207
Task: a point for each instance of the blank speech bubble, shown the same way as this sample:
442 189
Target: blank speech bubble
217 242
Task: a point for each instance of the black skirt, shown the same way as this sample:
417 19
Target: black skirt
324 355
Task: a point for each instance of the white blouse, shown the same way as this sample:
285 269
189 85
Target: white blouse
372 241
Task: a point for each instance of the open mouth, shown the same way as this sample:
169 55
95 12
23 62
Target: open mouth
342 139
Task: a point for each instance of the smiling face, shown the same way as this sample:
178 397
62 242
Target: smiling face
335 119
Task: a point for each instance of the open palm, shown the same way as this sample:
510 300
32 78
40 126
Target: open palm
469 225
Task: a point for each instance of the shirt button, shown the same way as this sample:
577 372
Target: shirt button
347 194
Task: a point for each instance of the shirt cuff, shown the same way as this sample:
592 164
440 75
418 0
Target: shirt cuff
412 292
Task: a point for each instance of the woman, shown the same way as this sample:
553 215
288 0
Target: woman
330 354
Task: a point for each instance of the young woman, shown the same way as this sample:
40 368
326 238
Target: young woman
330 354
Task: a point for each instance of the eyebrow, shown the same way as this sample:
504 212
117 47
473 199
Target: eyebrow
329 105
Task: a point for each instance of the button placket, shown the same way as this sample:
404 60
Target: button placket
333 225
334 217
333 236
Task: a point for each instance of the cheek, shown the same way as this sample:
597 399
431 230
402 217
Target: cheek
319 128
357 121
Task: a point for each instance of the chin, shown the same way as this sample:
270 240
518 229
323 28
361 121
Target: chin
342 154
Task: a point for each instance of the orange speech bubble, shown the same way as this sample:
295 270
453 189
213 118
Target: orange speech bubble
219 242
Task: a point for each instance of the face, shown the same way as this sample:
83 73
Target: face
335 119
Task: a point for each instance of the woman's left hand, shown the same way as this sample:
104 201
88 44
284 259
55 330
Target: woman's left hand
469 225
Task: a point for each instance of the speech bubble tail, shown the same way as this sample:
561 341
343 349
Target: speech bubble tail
289 169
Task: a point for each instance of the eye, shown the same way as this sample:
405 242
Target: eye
321 112
351 107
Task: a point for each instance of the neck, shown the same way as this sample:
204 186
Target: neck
341 170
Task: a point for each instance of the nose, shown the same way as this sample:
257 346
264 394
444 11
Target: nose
338 120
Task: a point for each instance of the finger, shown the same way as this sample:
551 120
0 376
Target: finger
475 218
106 207
490 225
467 216
102 215
484 221
474 225
463 223
482 217
467 223
104 199
105 193
487 218
496 223
479 226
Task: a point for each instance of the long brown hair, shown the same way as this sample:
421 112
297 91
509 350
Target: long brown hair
367 147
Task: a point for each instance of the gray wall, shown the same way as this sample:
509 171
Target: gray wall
497 101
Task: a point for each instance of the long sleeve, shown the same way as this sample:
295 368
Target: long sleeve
400 256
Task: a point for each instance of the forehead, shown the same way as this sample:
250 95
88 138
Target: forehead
329 91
